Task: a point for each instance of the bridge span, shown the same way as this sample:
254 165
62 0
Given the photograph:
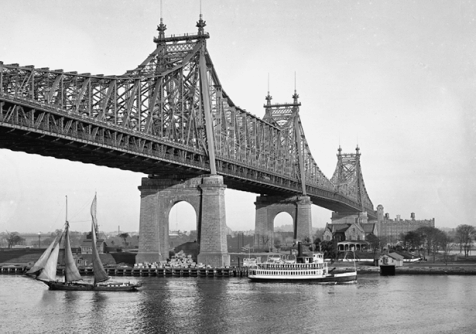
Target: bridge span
171 119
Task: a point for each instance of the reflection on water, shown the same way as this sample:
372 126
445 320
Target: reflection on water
400 304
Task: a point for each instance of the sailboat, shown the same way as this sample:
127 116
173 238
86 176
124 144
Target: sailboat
45 268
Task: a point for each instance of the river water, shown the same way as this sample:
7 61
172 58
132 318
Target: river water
376 304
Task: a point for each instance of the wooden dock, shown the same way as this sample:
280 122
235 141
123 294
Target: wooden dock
148 272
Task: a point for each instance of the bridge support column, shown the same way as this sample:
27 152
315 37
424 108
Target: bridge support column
268 207
303 225
207 197
149 245
213 243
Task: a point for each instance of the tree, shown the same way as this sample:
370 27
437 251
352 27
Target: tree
413 239
426 234
464 236
265 240
443 242
374 243
124 237
329 248
433 240
317 242
13 238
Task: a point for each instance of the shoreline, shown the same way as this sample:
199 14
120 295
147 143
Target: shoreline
424 269
408 269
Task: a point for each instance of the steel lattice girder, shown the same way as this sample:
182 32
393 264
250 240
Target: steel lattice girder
161 103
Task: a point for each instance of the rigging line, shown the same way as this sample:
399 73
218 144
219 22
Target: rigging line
82 211
78 221
58 214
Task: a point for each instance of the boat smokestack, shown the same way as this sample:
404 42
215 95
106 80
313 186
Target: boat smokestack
299 249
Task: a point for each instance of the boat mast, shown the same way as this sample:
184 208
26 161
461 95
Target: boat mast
66 236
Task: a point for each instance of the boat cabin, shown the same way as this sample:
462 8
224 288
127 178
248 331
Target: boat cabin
310 258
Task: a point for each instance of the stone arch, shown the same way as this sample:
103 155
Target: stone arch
268 207
158 198
182 216
181 210
283 218
206 194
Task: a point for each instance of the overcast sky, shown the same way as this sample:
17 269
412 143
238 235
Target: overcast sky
398 78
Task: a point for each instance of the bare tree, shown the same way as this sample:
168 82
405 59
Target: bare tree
13 238
465 234
443 241
265 240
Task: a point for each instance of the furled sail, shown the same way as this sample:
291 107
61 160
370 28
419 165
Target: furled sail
49 271
71 272
100 274
40 264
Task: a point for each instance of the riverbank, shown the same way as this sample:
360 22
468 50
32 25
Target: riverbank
407 269
419 268
16 264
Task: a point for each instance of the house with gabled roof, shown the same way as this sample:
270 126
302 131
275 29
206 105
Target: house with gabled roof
391 259
349 236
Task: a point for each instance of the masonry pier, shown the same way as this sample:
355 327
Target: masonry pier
205 194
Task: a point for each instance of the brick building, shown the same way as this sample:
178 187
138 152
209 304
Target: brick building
394 228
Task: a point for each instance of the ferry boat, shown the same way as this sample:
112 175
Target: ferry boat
304 268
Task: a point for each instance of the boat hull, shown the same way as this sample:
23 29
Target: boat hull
334 278
91 287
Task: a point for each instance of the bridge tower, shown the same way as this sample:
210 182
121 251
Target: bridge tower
286 117
206 194
349 180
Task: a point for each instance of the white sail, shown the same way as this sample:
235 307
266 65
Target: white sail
100 274
49 271
71 272
40 264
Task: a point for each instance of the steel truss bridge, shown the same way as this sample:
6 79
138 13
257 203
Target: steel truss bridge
171 117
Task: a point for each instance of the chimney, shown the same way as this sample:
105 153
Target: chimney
412 215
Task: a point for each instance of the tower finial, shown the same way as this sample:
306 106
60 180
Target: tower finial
201 23
295 95
161 27
268 97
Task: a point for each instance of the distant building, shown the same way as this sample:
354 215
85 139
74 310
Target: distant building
351 229
87 245
394 228
391 259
